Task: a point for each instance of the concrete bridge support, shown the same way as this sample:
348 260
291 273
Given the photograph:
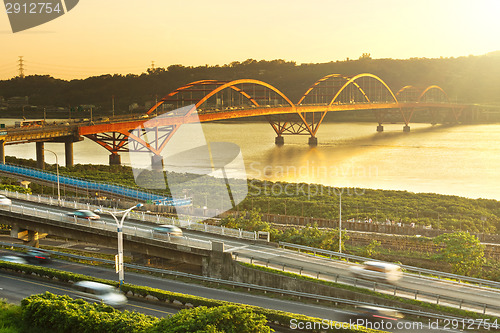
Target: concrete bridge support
406 129
313 141
2 151
279 141
29 237
115 159
40 156
380 128
68 151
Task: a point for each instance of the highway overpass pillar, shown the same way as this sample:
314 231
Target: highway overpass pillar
380 128
406 128
29 237
313 141
115 159
40 156
2 151
68 152
279 140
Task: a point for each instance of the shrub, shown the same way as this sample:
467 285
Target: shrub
63 314
227 319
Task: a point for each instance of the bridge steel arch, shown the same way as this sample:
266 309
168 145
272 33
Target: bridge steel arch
214 99
408 94
359 76
317 85
117 140
437 95
355 91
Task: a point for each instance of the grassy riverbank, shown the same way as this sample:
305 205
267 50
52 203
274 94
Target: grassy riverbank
311 200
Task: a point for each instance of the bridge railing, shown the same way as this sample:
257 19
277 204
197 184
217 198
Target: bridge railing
384 288
105 225
89 185
416 270
189 223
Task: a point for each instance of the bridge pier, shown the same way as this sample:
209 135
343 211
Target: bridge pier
29 237
406 129
40 156
279 140
2 152
313 141
115 159
380 128
68 152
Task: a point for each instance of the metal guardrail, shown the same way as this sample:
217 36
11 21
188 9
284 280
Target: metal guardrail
109 226
377 286
189 223
257 287
418 270
91 185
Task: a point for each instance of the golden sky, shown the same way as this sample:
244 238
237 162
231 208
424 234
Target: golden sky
124 36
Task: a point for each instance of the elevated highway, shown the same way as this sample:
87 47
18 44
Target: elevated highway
198 250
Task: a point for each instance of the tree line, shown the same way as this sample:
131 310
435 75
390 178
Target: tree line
471 79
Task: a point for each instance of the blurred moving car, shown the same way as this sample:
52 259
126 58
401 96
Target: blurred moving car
166 229
84 214
375 314
378 271
100 292
38 256
14 259
4 201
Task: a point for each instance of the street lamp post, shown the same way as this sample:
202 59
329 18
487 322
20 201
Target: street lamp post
57 172
119 229
340 221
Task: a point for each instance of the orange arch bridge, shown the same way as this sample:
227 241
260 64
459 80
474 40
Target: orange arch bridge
218 100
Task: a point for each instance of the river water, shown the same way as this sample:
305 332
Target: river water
461 160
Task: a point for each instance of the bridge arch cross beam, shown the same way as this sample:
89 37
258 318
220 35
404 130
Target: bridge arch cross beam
441 95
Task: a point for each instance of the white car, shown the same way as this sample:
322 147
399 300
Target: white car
14 259
100 292
167 229
4 201
378 271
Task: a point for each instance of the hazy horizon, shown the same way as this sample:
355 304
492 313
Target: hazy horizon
122 37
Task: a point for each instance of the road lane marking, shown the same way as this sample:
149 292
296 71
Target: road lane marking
35 283
146 308
72 292
236 248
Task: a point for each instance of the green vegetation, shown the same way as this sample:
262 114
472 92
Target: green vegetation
48 312
64 314
372 248
10 318
310 200
463 251
228 319
309 236
13 188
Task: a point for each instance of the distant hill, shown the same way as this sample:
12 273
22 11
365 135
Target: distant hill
471 79
493 54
